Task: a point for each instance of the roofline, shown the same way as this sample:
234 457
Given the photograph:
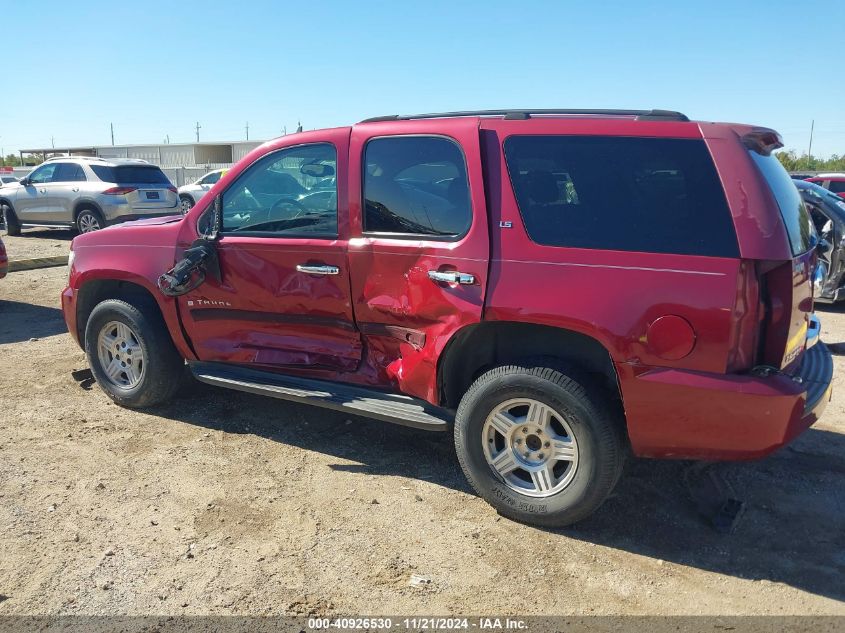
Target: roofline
521 114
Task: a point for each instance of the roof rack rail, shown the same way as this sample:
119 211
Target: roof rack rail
516 113
74 157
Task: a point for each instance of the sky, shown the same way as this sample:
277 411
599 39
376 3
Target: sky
154 69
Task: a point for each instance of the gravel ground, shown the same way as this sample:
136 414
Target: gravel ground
38 242
226 503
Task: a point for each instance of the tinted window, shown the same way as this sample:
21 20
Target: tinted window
69 172
416 186
799 227
615 193
292 191
43 174
131 175
837 186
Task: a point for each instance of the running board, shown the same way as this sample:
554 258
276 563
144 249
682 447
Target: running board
370 403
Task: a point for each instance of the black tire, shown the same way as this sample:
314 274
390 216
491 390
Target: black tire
186 202
87 215
594 421
163 367
13 226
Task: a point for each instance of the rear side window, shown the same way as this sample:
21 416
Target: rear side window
650 195
416 185
837 186
799 226
69 172
131 175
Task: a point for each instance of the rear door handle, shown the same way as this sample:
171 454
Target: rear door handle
75 189
451 277
43 190
317 269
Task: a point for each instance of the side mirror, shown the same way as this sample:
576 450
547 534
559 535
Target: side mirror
823 246
25 182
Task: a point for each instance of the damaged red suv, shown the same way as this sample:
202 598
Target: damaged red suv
555 287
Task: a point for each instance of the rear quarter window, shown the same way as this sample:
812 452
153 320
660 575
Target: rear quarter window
621 193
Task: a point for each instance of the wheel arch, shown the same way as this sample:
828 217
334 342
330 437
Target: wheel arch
95 291
476 348
86 203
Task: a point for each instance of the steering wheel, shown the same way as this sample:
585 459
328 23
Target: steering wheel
286 202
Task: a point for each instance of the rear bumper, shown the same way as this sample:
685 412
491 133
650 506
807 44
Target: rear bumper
694 415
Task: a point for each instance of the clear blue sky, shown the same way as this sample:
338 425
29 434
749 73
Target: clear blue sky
155 68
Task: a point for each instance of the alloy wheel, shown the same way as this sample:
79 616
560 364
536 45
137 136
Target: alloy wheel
530 447
121 355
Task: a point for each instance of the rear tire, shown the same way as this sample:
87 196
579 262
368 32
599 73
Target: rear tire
89 220
13 225
540 446
131 354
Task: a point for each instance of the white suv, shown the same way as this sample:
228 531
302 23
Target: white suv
190 194
87 193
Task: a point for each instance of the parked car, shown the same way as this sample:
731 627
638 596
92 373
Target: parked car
4 260
557 288
827 211
831 182
7 180
190 194
87 194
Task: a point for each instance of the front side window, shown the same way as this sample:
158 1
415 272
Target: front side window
837 186
416 185
289 192
43 174
652 195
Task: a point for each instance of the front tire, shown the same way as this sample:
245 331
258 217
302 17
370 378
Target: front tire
541 446
186 203
131 354
13 225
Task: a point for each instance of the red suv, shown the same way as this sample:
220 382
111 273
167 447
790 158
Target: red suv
558 287
832 182
4 260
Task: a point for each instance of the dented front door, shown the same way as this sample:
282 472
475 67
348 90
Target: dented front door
419 253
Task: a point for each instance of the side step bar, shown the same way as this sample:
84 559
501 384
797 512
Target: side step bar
371 403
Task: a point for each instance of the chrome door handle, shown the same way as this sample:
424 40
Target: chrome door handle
451 277
43 190
75 189
317 269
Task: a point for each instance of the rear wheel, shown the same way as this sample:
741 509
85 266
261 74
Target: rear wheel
89 220
186 203
539 445
13 225
131 354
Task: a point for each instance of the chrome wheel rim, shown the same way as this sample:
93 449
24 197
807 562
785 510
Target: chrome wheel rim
186 205
88 222
530 447
121 356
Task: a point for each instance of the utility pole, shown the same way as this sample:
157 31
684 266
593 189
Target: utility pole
285 130
299 126
198 131
111 125
810 150
53 141
247 130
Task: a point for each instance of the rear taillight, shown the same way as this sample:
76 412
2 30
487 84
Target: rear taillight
119 191
173 189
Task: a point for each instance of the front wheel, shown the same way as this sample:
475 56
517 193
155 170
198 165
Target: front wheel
540 446
131 354
186 203
13 225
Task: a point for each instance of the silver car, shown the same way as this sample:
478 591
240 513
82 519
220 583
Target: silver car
190 194
87 194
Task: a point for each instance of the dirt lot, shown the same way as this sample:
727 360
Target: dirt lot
225 503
